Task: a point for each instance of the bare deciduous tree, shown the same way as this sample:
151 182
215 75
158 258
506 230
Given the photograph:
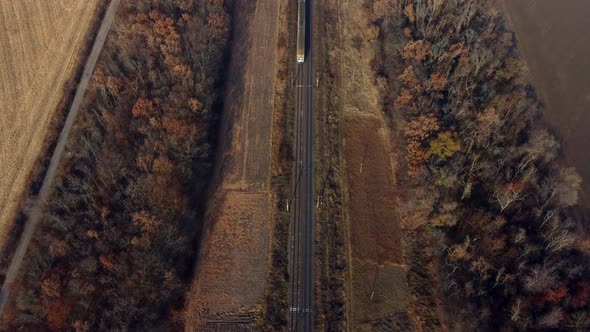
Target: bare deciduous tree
505 195
539 278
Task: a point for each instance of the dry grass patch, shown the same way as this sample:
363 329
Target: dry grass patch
39 47
376 290
235 260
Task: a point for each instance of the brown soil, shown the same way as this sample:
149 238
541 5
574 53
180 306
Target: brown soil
553 40
234 262
378 275
376 285
374 227
39 48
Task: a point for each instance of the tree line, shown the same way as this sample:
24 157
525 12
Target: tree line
474 135
115 247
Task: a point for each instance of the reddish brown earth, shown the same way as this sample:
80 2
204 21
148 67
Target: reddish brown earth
554 41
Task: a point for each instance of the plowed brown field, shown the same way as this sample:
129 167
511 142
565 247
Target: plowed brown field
374 229
40 41
376 283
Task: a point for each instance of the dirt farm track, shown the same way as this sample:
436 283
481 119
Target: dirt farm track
39 47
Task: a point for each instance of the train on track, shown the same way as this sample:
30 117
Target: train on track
301 31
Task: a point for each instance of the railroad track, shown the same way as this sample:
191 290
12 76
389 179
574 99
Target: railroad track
301 230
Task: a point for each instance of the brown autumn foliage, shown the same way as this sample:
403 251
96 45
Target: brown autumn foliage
437 82
51 286
422 127
409 12
418 131
416 50
58 313
404 100
114 250
381 7
509 253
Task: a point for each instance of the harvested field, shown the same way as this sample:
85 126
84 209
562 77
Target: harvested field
248 120
234 262
37 56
